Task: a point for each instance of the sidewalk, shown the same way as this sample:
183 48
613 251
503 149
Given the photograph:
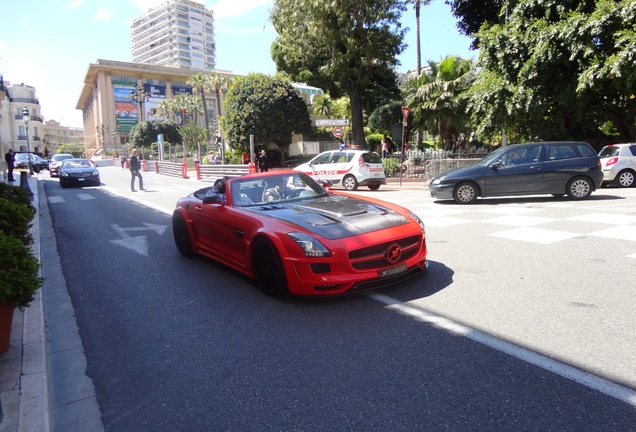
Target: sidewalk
43 386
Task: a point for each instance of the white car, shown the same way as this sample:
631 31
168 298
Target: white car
346 168
618 162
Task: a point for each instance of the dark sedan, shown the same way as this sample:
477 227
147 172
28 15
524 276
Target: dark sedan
56 162
557 168
21 161
78 172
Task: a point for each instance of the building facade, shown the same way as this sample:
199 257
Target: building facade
110 110
179 33
20 120
56 135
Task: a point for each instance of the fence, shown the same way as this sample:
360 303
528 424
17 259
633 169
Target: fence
213 172
173 169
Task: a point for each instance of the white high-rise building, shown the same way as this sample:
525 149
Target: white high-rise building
179 33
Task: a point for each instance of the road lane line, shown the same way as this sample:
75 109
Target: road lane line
602 385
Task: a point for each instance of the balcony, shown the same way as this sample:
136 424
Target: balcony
22 137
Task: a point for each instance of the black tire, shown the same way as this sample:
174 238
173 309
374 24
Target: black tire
181 235
579 188
350 183
268 268
374 186
625 179
62 184
465 193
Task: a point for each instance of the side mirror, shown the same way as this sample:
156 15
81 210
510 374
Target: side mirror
495 165
326 184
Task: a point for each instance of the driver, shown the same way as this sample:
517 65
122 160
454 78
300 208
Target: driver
278 191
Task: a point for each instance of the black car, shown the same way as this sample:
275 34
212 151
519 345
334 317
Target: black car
21 161
557 168
78 172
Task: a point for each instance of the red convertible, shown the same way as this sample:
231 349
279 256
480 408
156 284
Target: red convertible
288 233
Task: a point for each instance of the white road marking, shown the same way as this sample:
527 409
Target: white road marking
577 375
536 235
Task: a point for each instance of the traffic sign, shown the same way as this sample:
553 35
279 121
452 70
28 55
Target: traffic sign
332 122
337 132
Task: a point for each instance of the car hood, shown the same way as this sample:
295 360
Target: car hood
334 216
460 173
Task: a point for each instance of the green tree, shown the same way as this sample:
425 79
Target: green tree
269 108
472 14
559 69
142 135
438 102
202 84
323 105
341 46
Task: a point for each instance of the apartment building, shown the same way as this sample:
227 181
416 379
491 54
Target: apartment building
179 33
56 135
20 120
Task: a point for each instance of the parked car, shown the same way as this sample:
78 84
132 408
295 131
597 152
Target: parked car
557 168
21 161
78 172
41 163
300 238
618 162
56 161
346 168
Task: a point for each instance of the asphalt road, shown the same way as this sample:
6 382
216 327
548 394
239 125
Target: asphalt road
523 321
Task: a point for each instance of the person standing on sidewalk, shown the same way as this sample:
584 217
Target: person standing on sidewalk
135 171
10 160
263 162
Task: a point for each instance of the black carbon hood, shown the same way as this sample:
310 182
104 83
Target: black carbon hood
334 216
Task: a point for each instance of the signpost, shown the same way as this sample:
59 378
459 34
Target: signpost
332 122
337 132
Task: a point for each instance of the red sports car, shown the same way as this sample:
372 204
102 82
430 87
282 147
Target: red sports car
288 233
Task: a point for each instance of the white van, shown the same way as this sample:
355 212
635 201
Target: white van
346 168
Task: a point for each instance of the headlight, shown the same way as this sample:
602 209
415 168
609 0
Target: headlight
418 220
95 173
436 181
310 246
63 174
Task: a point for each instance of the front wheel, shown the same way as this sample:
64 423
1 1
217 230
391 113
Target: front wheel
268 268
625 179
181 235
374 186
350 183
465 193
579 188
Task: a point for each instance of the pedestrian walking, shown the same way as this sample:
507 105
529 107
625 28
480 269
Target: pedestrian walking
122 159
135 171
10 160
263 162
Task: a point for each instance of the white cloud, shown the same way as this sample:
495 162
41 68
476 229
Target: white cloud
74 4
103 15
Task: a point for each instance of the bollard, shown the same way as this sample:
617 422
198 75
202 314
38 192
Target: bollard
24 183
144 165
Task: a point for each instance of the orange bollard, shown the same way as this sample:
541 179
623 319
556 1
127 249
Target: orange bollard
252 167
144 165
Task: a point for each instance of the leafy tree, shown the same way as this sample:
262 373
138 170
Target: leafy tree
142 135
269 108
384 117
76 150
323 106
192 135
170 131
438 102
472 14
202 83
341 46
559 69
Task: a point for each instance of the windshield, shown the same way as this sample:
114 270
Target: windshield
491 157
284 187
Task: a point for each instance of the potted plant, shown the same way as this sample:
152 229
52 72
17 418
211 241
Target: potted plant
19 269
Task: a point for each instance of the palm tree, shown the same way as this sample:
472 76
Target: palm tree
201 83
220 83
323 105
438 98
165 109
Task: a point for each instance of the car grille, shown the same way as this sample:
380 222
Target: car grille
373 257
80 174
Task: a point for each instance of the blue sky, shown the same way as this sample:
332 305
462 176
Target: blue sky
49 44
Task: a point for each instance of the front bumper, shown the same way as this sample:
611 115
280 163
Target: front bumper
441 191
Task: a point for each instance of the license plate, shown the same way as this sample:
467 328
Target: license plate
393 270
80 179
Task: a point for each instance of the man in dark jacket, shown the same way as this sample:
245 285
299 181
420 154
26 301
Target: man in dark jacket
135 171
263 162
10 160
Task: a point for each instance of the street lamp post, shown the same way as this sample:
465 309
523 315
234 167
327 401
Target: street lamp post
25 117
103 130
140 96
114 133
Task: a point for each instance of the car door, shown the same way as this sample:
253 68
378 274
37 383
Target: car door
520 177
318 166
339 166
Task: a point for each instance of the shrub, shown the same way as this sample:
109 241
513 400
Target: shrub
391 166
19 272
15 220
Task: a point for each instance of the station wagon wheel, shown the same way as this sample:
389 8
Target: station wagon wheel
374 186
350 183
625 178
268 268
181 235
465 193
579 188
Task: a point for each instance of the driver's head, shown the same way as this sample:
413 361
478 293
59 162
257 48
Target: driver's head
279 182
514 155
